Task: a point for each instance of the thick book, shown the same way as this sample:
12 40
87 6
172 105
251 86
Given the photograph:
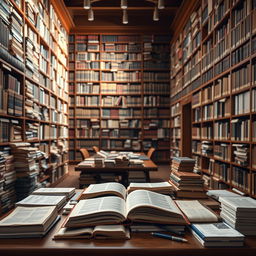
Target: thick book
117 189
28 222
139 206
196 212
217 193
97 232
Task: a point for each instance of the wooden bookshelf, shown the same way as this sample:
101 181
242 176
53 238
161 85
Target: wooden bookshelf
119 93
213 63
34 99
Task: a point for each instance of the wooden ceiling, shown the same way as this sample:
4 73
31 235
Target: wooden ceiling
108 15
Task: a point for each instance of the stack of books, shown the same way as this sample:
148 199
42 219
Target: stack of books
67 192
122 161
99 162
159 187
241 154
26 167
217 235
184 182
239 213
7 180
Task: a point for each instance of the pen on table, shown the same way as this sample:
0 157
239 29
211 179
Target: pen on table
173 238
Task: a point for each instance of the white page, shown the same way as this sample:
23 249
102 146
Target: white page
41 200
150 184
196 212
97 205
149 198
28 216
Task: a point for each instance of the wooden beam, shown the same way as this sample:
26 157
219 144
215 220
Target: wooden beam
63 13
114 8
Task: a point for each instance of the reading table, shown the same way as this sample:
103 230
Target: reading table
139 244
148 166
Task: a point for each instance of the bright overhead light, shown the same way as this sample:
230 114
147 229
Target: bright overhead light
90 15
87 4
124 4
156 14
160 4
125 17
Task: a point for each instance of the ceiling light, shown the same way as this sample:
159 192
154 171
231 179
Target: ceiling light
125 17
160 4
156 14
87 4
124 4
90 15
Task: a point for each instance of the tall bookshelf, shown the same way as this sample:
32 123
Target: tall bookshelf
119 93
213 63
33 90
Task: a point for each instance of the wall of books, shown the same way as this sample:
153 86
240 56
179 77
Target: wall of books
119 93
214 60
33 98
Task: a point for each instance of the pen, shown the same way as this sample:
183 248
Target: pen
173 238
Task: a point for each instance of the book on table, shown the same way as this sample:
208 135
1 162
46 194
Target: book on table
217 193
117 189
28 222
196 212
43 200
217 234
139 206
67 192
97 232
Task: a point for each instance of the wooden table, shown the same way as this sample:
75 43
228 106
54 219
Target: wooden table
139 244
149 166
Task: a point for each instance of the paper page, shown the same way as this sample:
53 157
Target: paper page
41 200
97 205
196 212
148 198
109 186
54 190
150 185
28 216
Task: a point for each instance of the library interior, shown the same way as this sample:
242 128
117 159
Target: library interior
128 127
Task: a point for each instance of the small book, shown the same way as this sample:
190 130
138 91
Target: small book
196 212
139 206
28 222
97 232
67 192
40 200
159 187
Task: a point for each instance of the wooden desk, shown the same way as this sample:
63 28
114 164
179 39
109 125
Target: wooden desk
123 171
139 244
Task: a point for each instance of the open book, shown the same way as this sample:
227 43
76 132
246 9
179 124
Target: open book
117 189
140 206
98 232
196 212
28 222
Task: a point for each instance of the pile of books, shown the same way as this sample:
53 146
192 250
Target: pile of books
240 213
185 183
217 235
26 167
241 154
7 180
122 161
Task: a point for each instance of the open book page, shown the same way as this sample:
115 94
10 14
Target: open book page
111 232
109 188
196 212
71 233
41 200
149 185
28 216
147 205
98 210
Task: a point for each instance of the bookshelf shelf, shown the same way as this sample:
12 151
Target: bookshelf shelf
222 94
127 92
39 109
